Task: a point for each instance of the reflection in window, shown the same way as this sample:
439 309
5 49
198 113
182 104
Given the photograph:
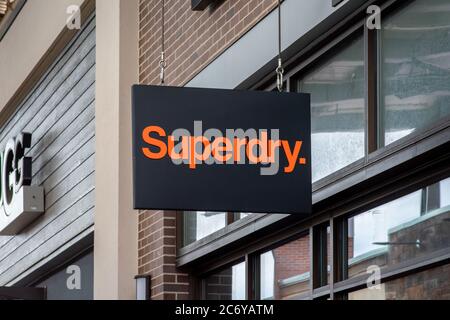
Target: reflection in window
242 215
285 271
199 224
415 75
413 226
432 284
228 284
337 110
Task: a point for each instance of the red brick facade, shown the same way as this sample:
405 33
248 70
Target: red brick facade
431 284
193 40
157 254
291 259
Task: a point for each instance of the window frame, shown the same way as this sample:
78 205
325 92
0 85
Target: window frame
255 264
345 285
200 280
230 218
405 181
338 285
315 60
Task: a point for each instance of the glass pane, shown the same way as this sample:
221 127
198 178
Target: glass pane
228 284
432 284
238 282
285 271
413 226
337 110
199 224
415 68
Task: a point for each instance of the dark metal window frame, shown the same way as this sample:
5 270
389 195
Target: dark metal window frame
339 285
230 218
200 280
254 261
418 171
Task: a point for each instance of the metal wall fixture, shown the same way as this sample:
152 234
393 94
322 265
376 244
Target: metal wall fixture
143 287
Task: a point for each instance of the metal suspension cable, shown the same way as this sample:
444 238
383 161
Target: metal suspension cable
279 70
162 62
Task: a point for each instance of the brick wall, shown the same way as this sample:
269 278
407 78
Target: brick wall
434 234
431 284
157 254
193 40
291 259
219 286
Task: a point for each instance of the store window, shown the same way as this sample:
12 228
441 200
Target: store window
336 86
285 271
415 68
414 226
431 284
412 71
199 224
227 284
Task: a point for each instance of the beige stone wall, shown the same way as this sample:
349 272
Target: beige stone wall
40 20
115 239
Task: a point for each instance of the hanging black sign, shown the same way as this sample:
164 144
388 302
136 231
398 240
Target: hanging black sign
221 150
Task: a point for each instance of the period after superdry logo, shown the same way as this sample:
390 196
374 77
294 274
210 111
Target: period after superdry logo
233 147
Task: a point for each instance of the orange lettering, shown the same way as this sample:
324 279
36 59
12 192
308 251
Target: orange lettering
263 152
291 156
194 156
184 148
273 145
154 142
221 149
238 144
